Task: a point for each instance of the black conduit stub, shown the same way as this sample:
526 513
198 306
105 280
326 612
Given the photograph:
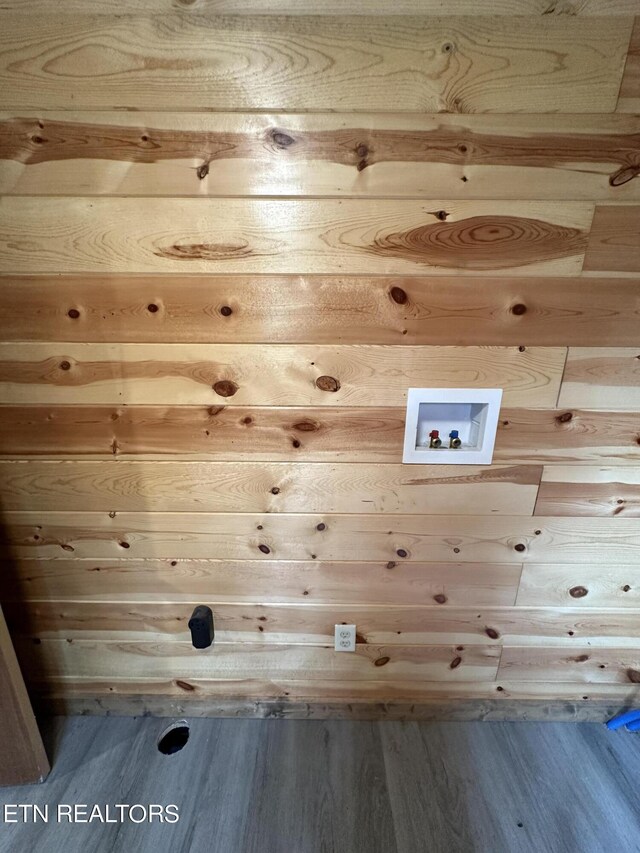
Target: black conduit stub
201 627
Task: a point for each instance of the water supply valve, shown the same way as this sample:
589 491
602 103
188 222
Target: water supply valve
454 441
434 438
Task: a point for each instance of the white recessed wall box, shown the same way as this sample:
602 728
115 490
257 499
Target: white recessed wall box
451 426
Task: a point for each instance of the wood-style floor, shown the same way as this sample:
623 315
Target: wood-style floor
301 786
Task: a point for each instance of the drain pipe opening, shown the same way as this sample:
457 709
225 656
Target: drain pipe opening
174 738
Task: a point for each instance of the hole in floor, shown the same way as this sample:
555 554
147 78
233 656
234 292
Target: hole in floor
174 738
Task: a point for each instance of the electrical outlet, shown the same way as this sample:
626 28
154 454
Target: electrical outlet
345 638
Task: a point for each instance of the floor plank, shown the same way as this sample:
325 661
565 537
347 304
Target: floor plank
318 788
498 788
340 786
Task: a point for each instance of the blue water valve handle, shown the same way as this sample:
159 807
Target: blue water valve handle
454 441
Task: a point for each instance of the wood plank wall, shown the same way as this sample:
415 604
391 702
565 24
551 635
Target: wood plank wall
232 234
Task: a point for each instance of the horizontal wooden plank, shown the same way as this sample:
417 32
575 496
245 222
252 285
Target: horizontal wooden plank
586 665
142 235
262 581
216 432
614 241
594 585
93 659
452 710
269 487
575 491
430 701
200 61
629 100
567 435
468 539
591 157
256 375
602 378
390 693
314 624
445 310
339 7
312 434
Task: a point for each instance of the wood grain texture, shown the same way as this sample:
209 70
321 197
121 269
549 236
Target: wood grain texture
375 699
177 659
199 61
323 761
629 100
318 433
582 491
591 157
608 377
312 434
581 664
211 696
467 539
561 707
266 376
262 581
340 7
23 757
445 310
231 237
568 436
269 487
398 783
314 624
291 236
614 241
474 768
591 585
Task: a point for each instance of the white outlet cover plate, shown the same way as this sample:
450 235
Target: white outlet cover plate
473 411
345 638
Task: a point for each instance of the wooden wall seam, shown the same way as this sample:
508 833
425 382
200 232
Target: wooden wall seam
607 377
629 97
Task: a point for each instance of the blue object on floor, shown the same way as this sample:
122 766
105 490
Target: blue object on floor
627 719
